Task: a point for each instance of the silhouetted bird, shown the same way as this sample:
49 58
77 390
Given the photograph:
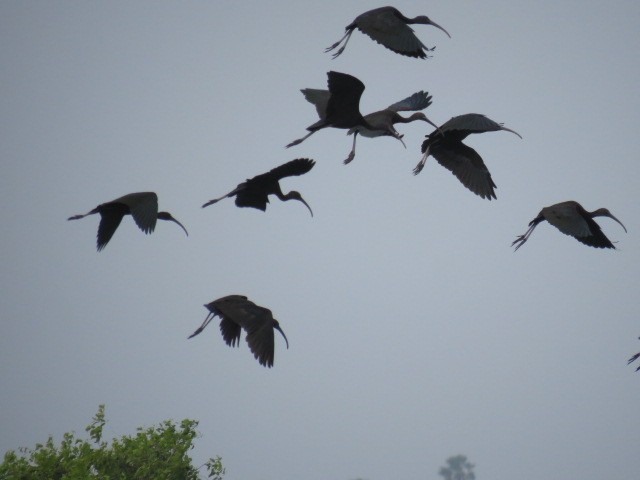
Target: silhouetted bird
572 219
445 144
390 28
382 121
342 106
237 312
142 206
254 192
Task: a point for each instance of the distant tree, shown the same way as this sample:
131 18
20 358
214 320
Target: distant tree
458 468
155 453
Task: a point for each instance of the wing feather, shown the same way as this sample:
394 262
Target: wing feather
467 165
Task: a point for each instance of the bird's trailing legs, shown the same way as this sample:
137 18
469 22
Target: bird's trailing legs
352 153
423 160
521 239
300 140
228 195
335 45
78 217
204 324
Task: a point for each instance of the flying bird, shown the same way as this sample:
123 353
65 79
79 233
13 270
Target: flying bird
254 192
238 312
142 206
572 219
382 121
342 107
445 144
390 28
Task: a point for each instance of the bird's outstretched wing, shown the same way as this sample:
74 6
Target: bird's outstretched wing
584 229
391 32
418 101
472 122
261 344
346 91
299 166
144 209
319 98
230 331
111 215
466 164
250 196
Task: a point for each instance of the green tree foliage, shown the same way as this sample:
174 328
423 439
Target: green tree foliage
155 453
458 468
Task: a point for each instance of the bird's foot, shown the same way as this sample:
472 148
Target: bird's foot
351 156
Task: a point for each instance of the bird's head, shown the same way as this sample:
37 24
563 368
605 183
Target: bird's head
293 195
276 325
604 212
424 20
168 216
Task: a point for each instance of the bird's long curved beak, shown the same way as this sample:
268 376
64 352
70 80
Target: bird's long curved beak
204 324
614 218
277 327
441 28
512 131
307 205
185 230
433 125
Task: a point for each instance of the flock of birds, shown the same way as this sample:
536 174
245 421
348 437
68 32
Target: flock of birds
339 107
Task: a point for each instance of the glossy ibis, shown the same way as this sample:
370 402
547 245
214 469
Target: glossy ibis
342 107
572 219
254 192
237 312
390 28
142 206
382 121
445 144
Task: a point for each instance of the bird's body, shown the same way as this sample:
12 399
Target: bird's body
254 192
390 28
237 313
142 206
341 108
383 121
380 123
445 144
572 219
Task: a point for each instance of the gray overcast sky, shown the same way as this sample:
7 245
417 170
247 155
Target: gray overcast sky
416 332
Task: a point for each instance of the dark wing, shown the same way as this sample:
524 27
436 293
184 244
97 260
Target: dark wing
466 164
471 122
386 27
144 209
111 215
319 98
230 331
261 343
252 194
571 219
230 309
597 238
418 101
343 107
299 166
258 323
